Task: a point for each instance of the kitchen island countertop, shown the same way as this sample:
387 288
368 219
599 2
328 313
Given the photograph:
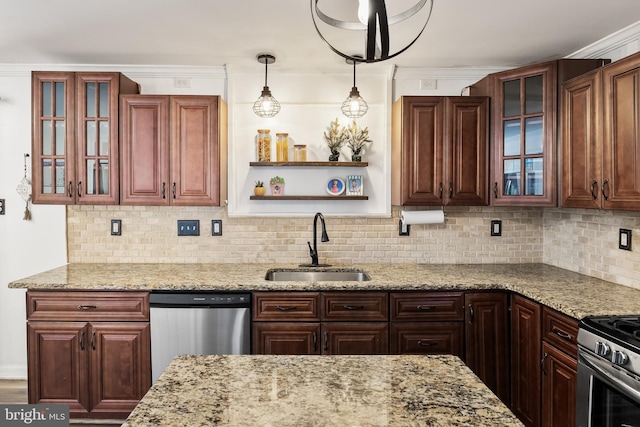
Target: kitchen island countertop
571 293
319 391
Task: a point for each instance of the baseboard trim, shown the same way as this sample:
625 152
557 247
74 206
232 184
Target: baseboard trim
13 372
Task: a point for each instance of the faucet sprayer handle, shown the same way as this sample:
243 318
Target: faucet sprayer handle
310 248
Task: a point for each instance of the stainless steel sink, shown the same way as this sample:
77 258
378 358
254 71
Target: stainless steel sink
343 275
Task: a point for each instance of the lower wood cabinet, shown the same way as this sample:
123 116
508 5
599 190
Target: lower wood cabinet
100 366
486 340
345 323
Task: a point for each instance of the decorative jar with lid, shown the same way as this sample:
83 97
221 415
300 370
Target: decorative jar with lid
263 145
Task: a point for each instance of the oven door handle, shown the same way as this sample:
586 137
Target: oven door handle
626 383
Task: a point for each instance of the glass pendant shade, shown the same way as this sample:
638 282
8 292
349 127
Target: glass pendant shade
266 105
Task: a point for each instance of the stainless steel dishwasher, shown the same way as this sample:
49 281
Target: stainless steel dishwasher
198 323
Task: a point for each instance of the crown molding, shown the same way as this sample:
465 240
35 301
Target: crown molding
604 47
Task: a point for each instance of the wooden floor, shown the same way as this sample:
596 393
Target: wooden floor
15 391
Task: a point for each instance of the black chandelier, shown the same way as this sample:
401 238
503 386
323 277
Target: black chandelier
343 26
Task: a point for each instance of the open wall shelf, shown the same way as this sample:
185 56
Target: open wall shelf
312 164
309 197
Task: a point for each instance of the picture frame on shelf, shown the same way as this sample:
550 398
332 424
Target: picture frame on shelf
336 186
354 185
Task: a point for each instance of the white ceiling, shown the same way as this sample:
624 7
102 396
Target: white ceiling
461 33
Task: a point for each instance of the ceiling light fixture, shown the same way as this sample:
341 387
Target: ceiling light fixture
354 106
266 105
374 20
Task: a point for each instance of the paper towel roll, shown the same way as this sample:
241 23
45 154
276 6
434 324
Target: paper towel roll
422 217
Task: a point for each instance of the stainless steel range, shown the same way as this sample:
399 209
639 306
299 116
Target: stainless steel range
608 392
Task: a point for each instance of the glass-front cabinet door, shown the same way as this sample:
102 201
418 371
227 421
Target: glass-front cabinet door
524 119
53 137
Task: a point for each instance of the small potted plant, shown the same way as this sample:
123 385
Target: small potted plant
259 189
277 186
335 137
357 139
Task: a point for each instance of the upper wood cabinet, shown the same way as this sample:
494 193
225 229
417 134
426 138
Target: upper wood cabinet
75 136
439 151
601 138
173 150
524 129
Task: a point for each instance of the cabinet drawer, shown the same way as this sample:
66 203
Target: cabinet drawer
291 306
427 338
105 306
560 330
435 306
349 306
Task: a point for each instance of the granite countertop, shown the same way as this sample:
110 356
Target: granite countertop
571 293
319 391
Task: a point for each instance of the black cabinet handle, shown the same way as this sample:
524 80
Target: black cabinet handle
173 190
353 307
426 307
69 187
605 182
495 190
471 313
82 339
79 188
164 195
281 308
450 190
326 341
93 340
544 357
561 334
315 342
87 307
441 189
426 343
594 184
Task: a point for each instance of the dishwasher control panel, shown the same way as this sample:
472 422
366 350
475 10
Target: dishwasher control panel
181 299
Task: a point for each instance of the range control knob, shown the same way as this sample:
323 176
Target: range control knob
602 349
619 358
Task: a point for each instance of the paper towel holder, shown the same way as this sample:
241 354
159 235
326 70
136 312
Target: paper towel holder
403 229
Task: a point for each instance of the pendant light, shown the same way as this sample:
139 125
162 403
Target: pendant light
376 25
354 106
266 105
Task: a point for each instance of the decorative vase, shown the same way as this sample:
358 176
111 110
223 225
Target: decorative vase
277 189
333 157
356 156
259 191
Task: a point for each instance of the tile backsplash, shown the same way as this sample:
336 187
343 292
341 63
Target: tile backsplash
577 240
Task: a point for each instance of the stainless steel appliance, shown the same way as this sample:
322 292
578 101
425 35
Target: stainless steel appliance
197 323
608 384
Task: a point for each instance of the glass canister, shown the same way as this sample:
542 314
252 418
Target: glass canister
282 147
263 145
300 153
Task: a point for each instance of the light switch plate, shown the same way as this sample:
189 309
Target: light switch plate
624 241
189 227
116 227
496 227
216 227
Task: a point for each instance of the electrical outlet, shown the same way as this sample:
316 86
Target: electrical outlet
188 227
624 240
1 206
216 227
116 227
496 227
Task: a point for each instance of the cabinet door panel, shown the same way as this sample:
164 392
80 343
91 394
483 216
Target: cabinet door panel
581 142
621 142
558 388
58 364
486 340
525 360
427 338
286 338
195 156
145 150
467 154
120 366
355 338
